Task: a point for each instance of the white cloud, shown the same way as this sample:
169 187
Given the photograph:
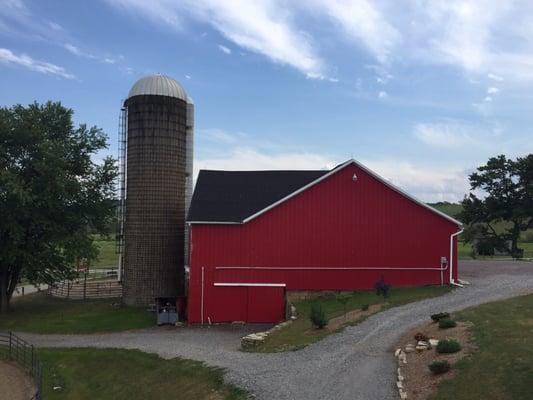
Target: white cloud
382 94
224 49
471 35
55 26
73 49
449 134
495 77
363 22
246 158
264 27
426 183
493 90
221 136
487 99
80 53
23 60
423 182
188 76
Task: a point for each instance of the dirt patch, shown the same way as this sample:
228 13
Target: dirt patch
419 382
15 384
350 317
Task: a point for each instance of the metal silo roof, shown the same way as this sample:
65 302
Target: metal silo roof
159 85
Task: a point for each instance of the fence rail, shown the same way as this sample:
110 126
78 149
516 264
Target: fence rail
23 353
91 285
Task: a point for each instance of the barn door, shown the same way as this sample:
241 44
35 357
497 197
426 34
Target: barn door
252 304
266 304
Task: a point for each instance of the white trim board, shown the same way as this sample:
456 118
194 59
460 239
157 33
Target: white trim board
250 284
334 171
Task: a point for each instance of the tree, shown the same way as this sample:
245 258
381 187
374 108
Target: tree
507 201
53 195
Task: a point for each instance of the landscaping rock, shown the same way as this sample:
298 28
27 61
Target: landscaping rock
433 342
397 352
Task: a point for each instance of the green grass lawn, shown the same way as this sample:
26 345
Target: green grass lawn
296 335
107 256
465 251
502 367
40 313
113 374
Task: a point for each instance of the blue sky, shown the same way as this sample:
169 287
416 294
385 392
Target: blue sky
420 91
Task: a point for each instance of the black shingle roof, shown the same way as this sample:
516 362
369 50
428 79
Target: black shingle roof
232 196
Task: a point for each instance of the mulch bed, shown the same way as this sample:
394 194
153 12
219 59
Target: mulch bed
350 317
420 383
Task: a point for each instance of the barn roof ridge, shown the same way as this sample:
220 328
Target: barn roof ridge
321 175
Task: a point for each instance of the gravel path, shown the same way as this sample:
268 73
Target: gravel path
356 363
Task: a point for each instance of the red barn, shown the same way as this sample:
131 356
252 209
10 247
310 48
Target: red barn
257 235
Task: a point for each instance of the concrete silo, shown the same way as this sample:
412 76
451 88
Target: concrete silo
157 178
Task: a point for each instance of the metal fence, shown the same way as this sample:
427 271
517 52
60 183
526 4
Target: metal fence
90 284
23 353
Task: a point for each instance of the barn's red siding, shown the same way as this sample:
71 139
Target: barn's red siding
336 224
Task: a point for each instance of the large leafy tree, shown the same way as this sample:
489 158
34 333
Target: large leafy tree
53 195
504 207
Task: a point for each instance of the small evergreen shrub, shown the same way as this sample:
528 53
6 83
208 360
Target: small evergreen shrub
343 298
382 288
447 323
318 316
421 337
439 367
365 307
447 346
442 315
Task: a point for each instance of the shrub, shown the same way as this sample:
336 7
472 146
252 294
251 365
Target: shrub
318 316
447 323
365 307
421 337
439 366
382 288
343 298
442 315
448 346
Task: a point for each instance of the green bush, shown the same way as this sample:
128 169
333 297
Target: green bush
343 298
447 323
365 307
447 346
318 316
382 288
439 367
442 315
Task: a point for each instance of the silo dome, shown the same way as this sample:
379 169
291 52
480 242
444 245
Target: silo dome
158 85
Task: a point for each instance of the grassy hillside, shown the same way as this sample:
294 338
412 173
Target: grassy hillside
451 209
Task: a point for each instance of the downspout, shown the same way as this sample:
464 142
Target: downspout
452 236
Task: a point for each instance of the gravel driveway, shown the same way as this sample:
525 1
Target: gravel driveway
356 363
